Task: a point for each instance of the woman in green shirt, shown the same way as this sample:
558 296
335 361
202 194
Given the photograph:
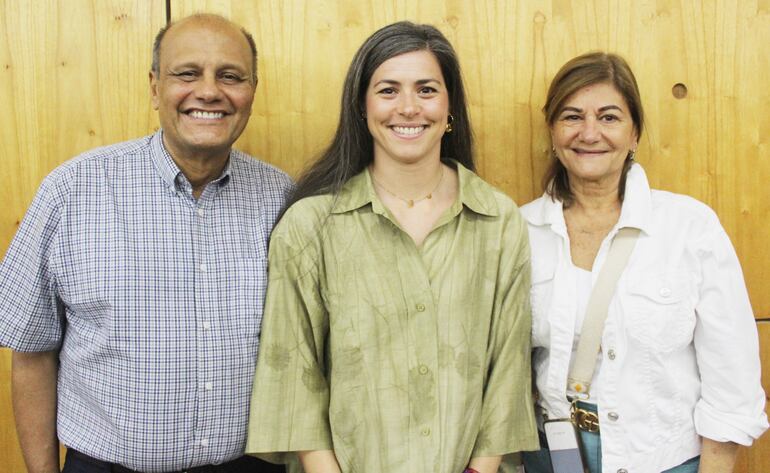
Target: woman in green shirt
397 322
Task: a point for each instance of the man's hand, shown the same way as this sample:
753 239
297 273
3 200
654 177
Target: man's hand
33 378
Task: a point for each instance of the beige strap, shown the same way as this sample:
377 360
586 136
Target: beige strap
582 371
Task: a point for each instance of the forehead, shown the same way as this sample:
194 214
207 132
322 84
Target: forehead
205 42
596 96
415 65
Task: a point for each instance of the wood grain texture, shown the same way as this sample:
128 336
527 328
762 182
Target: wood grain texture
713 144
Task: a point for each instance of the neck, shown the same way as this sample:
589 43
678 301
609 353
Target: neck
407 181
595 197
200 167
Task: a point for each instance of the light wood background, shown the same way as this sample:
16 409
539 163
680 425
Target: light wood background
73 76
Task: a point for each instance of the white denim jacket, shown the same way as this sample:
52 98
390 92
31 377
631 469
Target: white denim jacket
680 356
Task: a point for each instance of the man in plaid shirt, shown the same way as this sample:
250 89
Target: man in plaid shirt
132 293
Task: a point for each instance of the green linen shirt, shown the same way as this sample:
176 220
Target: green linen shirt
399 358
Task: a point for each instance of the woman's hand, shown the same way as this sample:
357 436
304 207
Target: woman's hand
319 461
485 464
717 457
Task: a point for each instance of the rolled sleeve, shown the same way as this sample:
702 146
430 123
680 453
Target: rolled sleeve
30 317
731 407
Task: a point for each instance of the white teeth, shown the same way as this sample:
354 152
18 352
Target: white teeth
408 130
206 115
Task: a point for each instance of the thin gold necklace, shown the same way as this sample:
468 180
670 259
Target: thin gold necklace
409 202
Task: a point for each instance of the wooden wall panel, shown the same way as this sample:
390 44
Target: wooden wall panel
712 144
73 76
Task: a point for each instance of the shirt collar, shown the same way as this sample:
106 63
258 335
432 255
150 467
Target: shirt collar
170 172
358 191
636 211
637 201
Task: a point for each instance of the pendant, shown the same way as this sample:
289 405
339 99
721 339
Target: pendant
410 203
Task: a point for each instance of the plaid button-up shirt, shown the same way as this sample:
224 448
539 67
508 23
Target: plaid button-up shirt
153 298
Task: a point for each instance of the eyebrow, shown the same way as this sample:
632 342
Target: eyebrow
198 66
601 109
395 82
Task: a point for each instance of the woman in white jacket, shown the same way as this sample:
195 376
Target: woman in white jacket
677 378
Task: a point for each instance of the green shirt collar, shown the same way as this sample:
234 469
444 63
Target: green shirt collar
474 195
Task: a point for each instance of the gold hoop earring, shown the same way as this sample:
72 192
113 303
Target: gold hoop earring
449 120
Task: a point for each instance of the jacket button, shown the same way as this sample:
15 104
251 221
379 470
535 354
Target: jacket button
622 470
611 354
665 292
613 416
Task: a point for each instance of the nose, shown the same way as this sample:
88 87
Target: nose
591 130
408 105
207 88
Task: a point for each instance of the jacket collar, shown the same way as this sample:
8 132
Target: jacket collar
635 212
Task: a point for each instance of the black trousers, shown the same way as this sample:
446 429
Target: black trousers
77 462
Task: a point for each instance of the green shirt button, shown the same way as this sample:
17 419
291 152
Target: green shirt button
425 431
420 307
423 369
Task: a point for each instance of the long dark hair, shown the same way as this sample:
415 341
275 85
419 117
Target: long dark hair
352 148
580 72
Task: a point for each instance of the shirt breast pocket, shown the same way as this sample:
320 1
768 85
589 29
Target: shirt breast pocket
659 310
244 303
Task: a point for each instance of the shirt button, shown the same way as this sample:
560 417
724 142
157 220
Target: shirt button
622 470
420 307
613 416
425 431
200 212
423 369
611 354
665 292
209 386
206 325
204 442
203 267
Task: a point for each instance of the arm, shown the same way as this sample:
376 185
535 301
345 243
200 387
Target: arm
731 407
717 457
485 464
34 407
507 418
319 461
290 394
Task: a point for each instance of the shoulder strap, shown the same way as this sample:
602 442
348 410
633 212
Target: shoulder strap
596 312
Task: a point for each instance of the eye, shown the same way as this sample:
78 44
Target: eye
231 78
609 118
186 75
427 90
387 91
572 117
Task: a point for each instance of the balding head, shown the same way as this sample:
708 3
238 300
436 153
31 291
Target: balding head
203 19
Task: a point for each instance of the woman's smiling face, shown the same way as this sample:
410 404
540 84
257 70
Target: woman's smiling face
407 106
593 133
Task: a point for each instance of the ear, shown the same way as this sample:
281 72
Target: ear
154 91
